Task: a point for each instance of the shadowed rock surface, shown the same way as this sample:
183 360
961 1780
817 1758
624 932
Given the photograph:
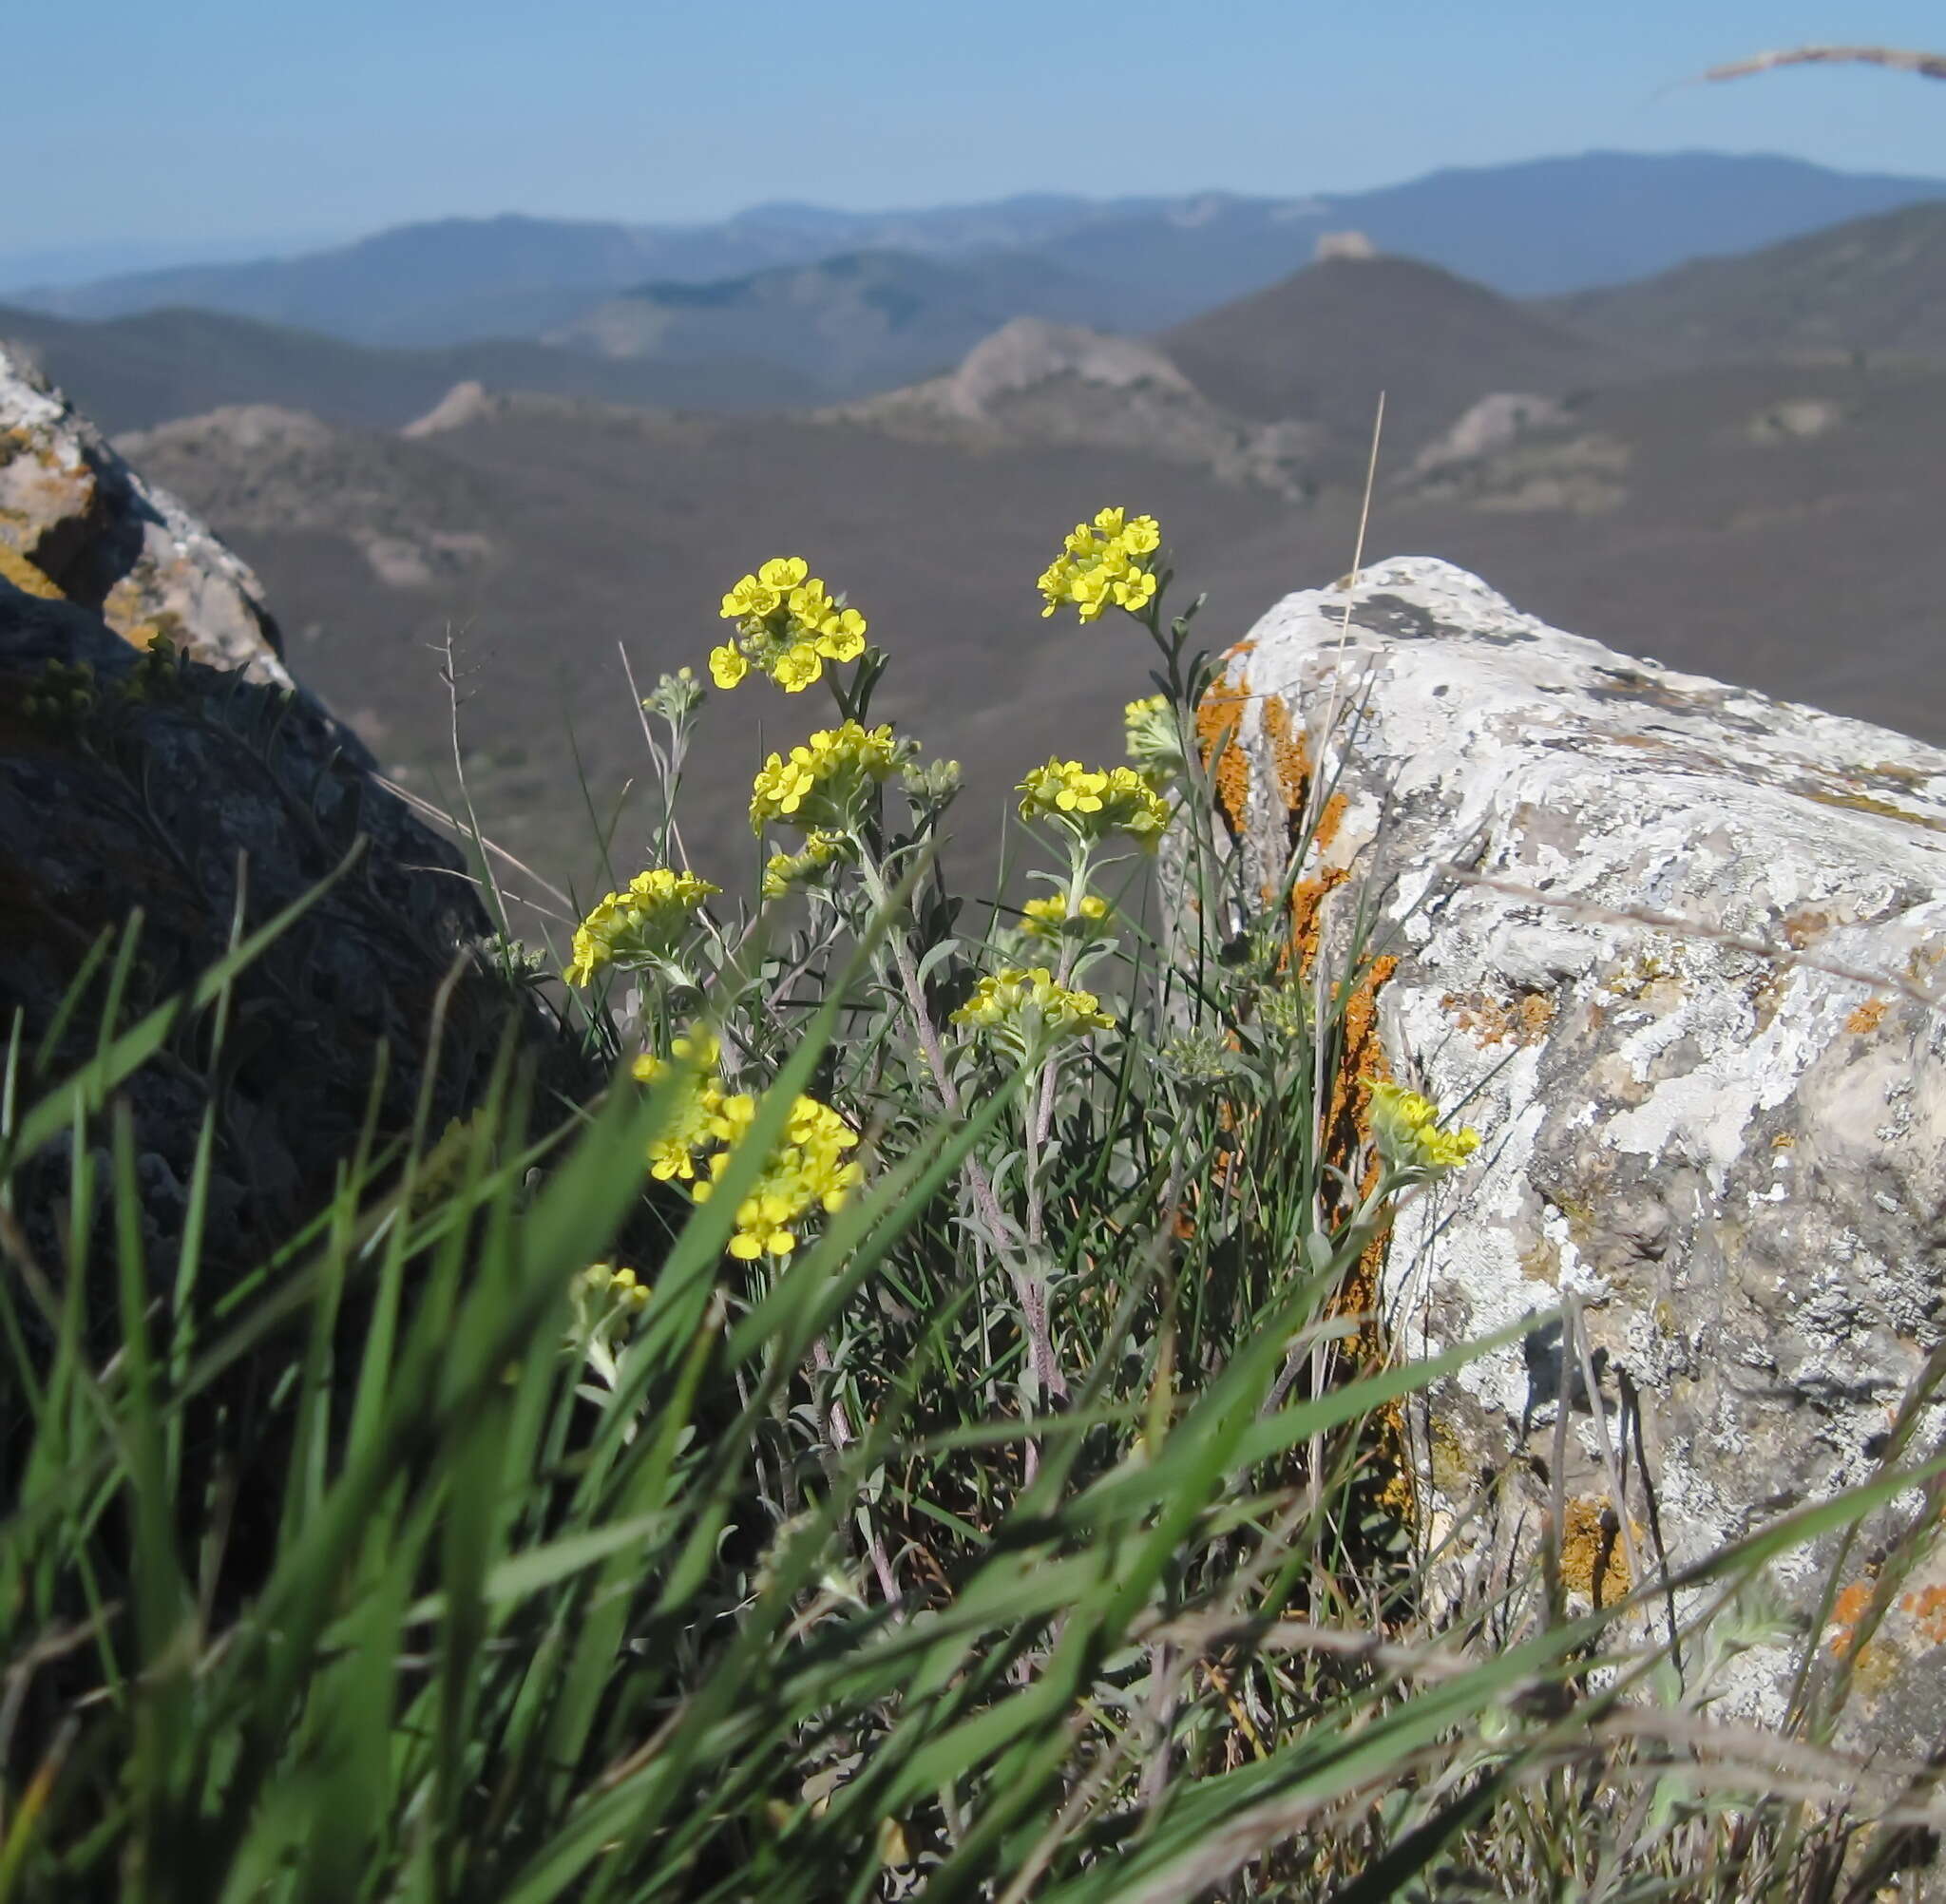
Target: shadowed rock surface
1730 1160
207 798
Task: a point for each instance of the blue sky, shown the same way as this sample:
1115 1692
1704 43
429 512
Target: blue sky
207 123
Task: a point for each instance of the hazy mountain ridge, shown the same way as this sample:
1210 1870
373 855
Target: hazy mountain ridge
856 321
1543 226
1875 285
133 372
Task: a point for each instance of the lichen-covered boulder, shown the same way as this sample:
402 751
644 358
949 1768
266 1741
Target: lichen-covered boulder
1671 945
77 524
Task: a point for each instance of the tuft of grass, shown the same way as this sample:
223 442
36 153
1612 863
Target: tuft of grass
999 1501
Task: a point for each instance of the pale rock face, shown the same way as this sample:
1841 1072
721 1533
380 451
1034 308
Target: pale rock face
1031 351
77 524
1491 423
463 403
1734 1164
1035 381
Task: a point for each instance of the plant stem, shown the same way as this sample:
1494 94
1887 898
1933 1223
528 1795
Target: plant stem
1029 1287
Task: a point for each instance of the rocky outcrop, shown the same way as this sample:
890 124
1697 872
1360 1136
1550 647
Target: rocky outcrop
1675 949
1489 425
464 403
77 524
138 778
1033 381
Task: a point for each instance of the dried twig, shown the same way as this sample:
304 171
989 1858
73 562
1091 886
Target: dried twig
1928 66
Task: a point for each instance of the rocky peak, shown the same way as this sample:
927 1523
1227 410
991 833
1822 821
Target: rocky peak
77 524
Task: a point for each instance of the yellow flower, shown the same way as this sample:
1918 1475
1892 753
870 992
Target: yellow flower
618 1286
638 926
783 573
1154 740
841 635
807 1171
1408 1128
698 1104
822 783
1062 787
797 668
1093 801
1049 918
1027 1012
788 625
1104 564
749 599
785 870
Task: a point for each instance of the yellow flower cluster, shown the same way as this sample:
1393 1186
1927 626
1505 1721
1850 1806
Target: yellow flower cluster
821 851
805 1171
616 1286
700 1102
1093 801
787 624
1027 1012
1406 1126
819 785
1104 563
644 923
1049 918
1154 741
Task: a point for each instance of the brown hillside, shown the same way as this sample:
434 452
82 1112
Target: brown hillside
1875 285
1767 524
1322 344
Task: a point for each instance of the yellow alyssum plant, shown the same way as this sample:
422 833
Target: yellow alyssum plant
1052 917
784 872
1029 1012
789 624
1093 802
638 926
805 1171
1154 738
1104 563
819 786
1406 1127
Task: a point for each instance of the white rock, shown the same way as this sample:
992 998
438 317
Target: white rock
1737 1160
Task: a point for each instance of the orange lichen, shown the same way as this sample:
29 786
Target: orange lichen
1846 1611
1522 1021
1290 758
1928 1609
15 568
1219 734
1594 1556
1868 1016
1363 1064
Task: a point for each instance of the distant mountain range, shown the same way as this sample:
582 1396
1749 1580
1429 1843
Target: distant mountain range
853 323
130 373
1765 519
1875 285
1543 227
